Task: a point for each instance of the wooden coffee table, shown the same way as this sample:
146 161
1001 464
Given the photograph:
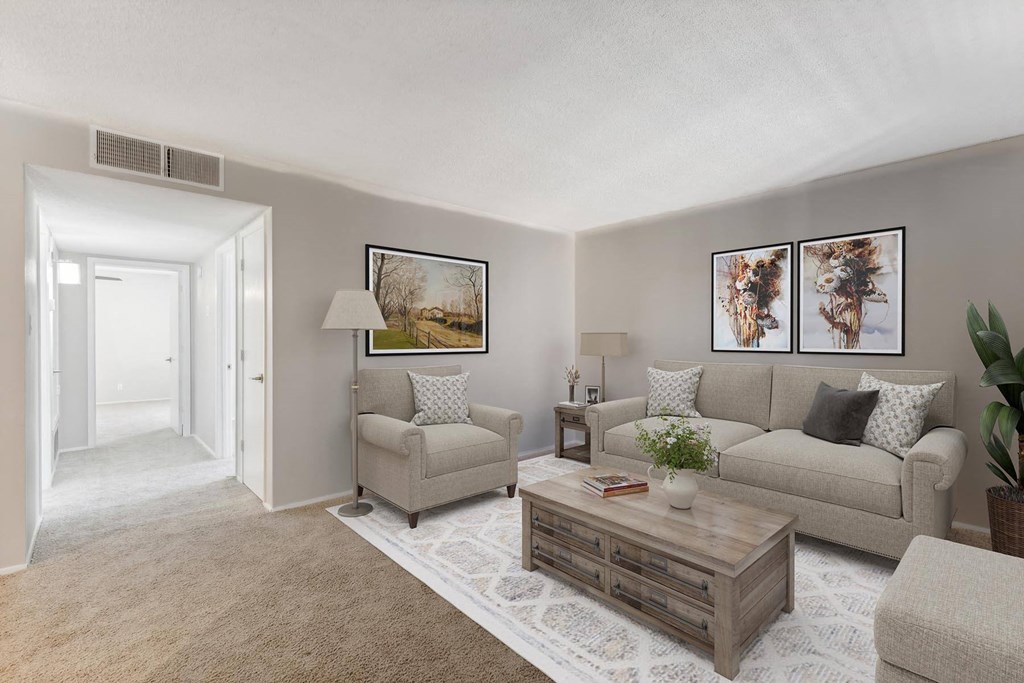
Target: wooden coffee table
713 575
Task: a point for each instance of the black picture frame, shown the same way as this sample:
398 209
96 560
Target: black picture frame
435 350
716 346
901 313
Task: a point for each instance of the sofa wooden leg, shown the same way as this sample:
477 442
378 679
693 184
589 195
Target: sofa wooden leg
414 517
511 490
359 490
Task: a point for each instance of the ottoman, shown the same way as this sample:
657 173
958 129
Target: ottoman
951 613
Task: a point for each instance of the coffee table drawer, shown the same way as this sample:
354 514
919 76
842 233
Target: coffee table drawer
675 574
572 562
668 608
568 531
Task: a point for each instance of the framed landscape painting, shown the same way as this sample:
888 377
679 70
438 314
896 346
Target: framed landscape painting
852 294
432 304
753 299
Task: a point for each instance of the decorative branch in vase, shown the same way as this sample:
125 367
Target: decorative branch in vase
1002 423
572 376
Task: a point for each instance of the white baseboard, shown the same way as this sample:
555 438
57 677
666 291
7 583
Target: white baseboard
13 569
304 503
203 444
72 450
32 543
971 527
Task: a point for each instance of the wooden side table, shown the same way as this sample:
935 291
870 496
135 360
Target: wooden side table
571 418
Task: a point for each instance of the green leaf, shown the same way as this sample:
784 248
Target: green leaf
999 473
998 451
997 344
1007 423
976 324
1019 361
995 322
1001 372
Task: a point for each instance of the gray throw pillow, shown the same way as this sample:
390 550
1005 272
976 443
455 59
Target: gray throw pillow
440 399
899 417
840 415
673 393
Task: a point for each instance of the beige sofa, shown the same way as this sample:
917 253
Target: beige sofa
417 468
943 617
858 496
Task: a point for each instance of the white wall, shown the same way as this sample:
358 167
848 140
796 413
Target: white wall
74 362
133 327
204 348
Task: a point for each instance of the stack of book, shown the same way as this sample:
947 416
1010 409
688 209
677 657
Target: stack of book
610 485
573 404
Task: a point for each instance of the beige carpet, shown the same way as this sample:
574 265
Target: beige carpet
176 572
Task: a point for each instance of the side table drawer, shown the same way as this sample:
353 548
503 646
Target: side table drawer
668 608
574 419
571 562
667 571
568 531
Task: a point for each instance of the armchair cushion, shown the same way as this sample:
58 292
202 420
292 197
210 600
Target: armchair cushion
440 400
456 447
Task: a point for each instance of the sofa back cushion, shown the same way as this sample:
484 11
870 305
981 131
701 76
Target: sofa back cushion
794 386
388 391
732 391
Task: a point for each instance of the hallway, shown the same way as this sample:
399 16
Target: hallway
116 421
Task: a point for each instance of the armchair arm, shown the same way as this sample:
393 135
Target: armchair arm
507 423
390 434
942 446
604 416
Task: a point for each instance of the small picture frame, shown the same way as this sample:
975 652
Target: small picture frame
592 394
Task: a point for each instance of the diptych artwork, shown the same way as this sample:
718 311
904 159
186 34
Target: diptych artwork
753 306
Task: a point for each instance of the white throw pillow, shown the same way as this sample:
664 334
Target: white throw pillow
895 424
440 399
673 393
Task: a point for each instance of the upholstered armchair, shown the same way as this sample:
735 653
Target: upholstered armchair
416 468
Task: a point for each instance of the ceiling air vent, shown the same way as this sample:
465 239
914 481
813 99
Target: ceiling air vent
133 154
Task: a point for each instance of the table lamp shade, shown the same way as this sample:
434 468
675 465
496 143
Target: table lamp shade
603 344
354 309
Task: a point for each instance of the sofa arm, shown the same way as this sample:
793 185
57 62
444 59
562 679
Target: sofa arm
604 416
506 423
390 434
932 465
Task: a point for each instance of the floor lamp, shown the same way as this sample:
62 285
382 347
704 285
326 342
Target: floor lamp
354 309
603 344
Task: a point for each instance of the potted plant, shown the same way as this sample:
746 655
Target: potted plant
1001 421
681 449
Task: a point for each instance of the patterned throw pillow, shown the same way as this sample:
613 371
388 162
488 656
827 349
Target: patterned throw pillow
897 421
440 400
673 393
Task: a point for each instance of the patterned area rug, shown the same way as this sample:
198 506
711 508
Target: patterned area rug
469 553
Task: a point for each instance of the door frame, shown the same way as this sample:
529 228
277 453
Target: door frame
265 222
183 271
226 410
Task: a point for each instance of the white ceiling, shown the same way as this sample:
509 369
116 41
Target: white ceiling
95 215
563 113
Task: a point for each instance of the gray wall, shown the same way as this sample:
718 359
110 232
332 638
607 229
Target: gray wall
964 213
319 232
204 349
74 359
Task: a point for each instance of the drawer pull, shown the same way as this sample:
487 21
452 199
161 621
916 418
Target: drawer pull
596 542
660 609
596 575
702 586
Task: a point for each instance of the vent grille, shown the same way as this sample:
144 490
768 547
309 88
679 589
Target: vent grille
189 166
127 153
132 154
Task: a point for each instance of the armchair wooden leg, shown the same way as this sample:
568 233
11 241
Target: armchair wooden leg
511 490
414 517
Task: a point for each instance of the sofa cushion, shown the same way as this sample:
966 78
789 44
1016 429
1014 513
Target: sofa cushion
840 415
789 461
440 400
943 615
897 421
456 447
673 393
793 388
621 440
731 391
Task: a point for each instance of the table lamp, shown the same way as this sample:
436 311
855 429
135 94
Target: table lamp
603 344
354 309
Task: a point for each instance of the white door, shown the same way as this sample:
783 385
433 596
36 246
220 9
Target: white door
253 361
173 357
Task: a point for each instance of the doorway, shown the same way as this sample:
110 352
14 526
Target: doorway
140 356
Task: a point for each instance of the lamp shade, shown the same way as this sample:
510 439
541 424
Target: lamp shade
354 309
603 344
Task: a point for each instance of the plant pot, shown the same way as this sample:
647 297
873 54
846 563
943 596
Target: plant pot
680 489
1006 520
572 393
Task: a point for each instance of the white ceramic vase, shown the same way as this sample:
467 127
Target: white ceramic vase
680 489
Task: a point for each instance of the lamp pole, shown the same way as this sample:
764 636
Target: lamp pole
355 508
